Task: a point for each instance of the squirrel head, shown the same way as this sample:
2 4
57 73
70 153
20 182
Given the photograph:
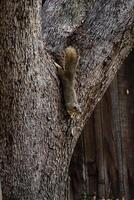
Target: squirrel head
73 110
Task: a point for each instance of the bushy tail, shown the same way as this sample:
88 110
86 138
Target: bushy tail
70 60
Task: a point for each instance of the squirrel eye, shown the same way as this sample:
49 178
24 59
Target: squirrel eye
74 107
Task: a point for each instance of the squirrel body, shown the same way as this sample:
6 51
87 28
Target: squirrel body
67 76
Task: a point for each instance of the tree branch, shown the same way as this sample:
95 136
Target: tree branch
102 31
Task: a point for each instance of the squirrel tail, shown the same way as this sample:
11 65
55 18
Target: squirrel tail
70 60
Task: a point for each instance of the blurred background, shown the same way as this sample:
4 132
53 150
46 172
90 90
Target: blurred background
103 160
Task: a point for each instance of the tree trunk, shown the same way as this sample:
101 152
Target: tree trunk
37 137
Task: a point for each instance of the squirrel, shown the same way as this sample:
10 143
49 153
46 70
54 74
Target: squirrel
67 75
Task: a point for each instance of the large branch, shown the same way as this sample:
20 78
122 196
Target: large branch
102 31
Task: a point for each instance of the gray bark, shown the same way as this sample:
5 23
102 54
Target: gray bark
37 137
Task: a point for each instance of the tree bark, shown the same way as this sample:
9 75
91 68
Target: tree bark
37 137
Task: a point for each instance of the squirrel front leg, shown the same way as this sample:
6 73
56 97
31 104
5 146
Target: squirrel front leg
67 76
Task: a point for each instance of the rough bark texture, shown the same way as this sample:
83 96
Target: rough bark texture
37 137
106 169
102 31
